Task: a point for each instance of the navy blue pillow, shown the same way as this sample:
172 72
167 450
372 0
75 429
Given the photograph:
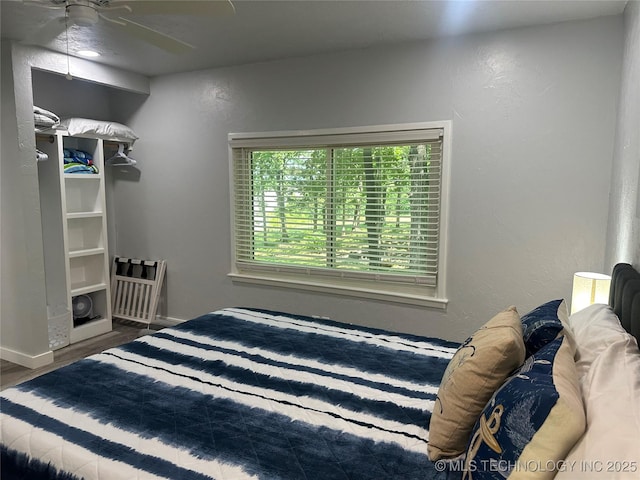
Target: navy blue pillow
542 325
532 421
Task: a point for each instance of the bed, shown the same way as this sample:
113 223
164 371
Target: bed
246 393
235 394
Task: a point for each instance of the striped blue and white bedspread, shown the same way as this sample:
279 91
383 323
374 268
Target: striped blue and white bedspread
236 394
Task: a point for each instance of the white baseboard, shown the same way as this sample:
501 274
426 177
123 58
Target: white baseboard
29 361
168 321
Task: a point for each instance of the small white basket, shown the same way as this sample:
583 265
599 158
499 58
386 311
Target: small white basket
59 320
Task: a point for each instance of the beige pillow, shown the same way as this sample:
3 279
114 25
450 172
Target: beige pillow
479 367
532 421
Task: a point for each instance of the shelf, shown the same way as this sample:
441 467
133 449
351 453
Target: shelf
80 289
82 176
82 196
77 323
90 329
73 215
87 271
86 252
86 144
85 233
73 211
100 316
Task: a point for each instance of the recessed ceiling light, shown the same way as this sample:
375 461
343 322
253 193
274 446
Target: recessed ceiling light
88 53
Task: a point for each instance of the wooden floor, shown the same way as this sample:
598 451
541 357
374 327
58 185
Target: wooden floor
123 331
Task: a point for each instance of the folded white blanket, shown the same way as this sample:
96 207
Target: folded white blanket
45 118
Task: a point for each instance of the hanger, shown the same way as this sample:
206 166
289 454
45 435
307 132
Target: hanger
41 156
120 158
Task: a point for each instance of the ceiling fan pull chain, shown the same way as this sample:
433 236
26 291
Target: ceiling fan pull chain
66 34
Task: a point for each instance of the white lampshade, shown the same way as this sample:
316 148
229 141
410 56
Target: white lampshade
589 288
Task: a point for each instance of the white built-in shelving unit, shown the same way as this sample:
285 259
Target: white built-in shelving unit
74 225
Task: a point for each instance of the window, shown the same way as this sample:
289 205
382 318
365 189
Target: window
355 211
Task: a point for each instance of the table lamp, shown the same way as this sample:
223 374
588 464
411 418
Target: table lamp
589 288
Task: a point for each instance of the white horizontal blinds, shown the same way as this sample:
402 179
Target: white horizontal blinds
356 211
282 220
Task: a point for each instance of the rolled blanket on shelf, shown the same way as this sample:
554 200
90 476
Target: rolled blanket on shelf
78 161
44 119
72 155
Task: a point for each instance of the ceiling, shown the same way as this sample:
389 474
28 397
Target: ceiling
268 30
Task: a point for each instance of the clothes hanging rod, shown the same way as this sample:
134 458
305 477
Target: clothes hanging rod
115 144
107 143
50 138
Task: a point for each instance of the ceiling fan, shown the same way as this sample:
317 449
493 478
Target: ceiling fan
113 13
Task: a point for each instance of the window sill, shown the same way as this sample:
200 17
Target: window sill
405 294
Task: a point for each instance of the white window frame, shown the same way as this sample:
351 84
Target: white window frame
434 297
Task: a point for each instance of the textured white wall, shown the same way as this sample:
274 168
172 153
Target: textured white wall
533 111
623 239
23 314
71 98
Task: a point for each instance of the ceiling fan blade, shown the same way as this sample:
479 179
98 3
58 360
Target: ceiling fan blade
37 3
176 7
47 32
160 40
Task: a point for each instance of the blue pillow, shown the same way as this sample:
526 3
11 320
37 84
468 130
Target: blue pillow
543 324
532 421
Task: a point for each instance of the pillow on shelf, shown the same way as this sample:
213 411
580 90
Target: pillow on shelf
114 131
478 368
543 324
532 421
